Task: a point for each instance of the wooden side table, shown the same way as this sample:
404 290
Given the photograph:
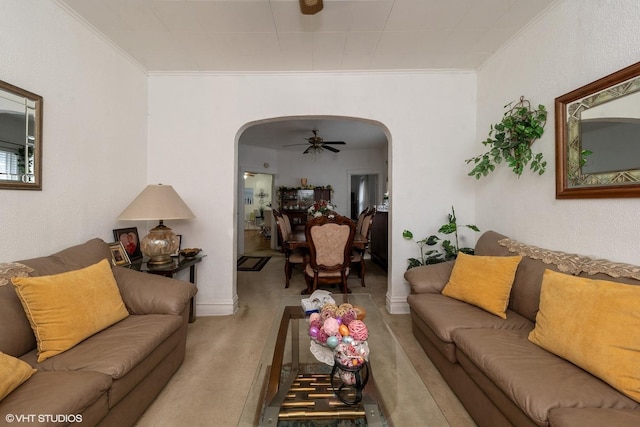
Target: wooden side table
169 270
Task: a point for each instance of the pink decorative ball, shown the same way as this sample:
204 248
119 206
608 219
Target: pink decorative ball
348 317
313 331
322 337
314 316
317 323
358 330
331 326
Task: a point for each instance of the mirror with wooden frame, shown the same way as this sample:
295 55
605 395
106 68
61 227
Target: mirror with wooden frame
20 139
598 138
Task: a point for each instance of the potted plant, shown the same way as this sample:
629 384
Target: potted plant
511 140
449 250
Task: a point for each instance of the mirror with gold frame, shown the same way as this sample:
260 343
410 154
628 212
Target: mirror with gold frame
20 139
598 138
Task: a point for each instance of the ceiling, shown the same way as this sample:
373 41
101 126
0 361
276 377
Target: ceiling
272 35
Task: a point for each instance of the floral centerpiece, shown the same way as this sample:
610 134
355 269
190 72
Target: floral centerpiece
321 208
340 331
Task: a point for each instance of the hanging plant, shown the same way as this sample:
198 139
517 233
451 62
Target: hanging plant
511 140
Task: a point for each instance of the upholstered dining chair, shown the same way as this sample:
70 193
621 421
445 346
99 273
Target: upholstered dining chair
361 220
329 239
357 255
292 257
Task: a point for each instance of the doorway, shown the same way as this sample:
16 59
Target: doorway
257 201
364 193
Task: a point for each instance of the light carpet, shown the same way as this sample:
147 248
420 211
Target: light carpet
222 356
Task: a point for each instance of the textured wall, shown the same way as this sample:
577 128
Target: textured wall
430 117
94 130
574 43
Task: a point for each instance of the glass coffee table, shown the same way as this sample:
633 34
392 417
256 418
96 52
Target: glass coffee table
292 388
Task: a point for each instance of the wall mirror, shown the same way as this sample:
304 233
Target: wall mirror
20 139
598 138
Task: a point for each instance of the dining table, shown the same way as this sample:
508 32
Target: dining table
297 239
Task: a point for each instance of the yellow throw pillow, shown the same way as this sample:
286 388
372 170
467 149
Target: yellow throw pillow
594 324
66 308
13 372
484 281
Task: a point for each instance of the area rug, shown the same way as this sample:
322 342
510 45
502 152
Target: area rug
252 263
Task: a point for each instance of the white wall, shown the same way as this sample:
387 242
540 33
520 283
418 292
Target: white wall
431 121
575 43
94 130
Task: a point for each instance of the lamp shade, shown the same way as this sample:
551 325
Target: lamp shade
158 202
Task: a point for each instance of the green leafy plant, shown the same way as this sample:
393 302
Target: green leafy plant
449 249
511 140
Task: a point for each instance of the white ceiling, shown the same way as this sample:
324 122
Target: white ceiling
272 35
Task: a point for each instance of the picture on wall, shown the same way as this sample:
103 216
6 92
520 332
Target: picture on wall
248 196
130 241
118 254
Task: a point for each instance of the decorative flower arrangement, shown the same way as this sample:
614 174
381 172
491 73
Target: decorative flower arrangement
321 208
341 329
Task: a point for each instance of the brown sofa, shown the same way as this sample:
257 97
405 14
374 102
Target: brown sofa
110 378
501 377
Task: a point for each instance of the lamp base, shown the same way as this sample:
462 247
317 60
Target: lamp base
159 244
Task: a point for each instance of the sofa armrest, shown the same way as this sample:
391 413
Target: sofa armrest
145 293
429 278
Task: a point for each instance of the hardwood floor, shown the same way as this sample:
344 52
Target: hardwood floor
254 241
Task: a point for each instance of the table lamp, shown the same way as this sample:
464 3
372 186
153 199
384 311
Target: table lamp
158 202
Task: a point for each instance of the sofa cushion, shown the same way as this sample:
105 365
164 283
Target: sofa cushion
443 315
72 258
66 308
536 380
484 281
16 335
65 393
13 372
429 278
594 417
610 350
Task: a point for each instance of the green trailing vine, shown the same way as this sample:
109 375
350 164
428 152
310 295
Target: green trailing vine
511 140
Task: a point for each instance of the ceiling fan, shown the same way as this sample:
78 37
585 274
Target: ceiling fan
318 144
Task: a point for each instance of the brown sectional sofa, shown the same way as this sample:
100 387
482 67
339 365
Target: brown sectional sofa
110 378
501 377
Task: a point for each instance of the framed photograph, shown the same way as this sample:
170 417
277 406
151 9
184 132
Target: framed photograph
118 254
177 252
130 241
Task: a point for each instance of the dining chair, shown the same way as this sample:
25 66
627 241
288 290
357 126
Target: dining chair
357 255
329 238
361 220
292 257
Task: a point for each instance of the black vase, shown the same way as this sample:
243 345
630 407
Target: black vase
349 392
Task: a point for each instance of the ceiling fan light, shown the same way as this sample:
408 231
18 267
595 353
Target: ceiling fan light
310 7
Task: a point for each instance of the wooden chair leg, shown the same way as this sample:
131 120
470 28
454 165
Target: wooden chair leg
287 273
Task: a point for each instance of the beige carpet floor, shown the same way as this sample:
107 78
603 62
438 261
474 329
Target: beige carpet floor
211 386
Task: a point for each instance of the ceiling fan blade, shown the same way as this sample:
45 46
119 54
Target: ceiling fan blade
307 150
335 150
292 145
334 142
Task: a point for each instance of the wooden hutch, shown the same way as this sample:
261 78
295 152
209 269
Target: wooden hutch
295 202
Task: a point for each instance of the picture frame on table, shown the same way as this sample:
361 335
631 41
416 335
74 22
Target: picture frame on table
177 252
119 255
130 241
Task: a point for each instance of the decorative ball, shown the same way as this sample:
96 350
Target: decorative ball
361 313
347 339
358 330
331 326
348 317
332 341
344 330
340 311
314 316
317 323
322 336
313 331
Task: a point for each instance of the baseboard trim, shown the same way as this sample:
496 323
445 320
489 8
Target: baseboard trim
397 305
222 308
